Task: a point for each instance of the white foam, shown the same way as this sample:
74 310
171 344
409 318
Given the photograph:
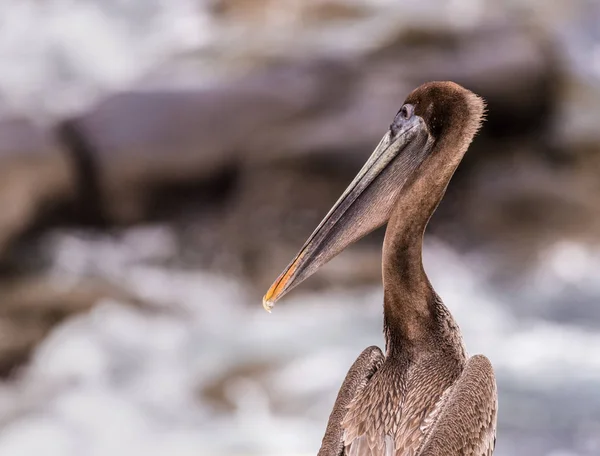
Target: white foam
122 380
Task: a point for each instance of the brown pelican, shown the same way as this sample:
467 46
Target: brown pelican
425 397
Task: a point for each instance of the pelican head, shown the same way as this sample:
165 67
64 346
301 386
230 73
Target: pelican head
405 176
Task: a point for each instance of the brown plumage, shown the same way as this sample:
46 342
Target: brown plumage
425 397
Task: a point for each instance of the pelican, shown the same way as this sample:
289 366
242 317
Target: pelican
425 396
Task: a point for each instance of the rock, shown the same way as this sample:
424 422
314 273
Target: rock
35 176
32 305
251 12
138 144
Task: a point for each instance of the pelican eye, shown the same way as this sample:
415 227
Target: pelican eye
405 113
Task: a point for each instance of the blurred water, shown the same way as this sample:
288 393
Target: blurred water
203 371
84 50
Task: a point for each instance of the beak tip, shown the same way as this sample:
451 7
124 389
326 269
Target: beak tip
279 287
268 305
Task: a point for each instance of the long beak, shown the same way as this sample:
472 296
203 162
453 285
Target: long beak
364 206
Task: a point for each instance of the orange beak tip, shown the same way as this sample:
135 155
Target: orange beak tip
277 289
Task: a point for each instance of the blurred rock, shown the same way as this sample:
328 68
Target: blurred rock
138 144
311 12
35 175
31 306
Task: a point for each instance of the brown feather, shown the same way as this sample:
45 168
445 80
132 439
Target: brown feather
425 398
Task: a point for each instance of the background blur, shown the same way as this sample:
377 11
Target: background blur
161 161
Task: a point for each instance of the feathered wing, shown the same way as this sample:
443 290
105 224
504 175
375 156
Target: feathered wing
393 414
369 361
467 421
461 422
